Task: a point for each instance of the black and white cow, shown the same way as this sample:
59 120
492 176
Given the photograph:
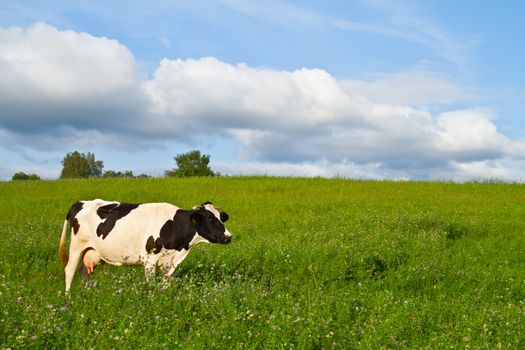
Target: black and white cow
152 234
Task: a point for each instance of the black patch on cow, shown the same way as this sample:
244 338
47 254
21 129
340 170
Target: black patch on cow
178 233
104 211
207 203
154 245
71 216
112 212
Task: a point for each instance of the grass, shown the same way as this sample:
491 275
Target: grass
315 263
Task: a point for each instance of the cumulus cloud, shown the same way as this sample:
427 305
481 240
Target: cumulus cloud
211 94
64 87
53 78
311 169
308 116
469 133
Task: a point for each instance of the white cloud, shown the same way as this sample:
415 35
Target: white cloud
64 64
414 87
473 170
211 94
308 116
309 169
165 41
470 130
64 89
52 78
504 169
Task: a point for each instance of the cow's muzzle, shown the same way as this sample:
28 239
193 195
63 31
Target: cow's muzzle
226 239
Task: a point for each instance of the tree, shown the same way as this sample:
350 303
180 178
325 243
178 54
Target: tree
113 173
128 174
23 176
79 165
191 164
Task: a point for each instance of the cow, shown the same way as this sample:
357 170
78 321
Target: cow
151 234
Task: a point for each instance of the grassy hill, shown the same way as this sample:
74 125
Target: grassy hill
314 263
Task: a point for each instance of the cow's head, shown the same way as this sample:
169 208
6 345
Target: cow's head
210 223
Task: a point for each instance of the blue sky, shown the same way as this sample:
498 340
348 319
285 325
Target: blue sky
363 89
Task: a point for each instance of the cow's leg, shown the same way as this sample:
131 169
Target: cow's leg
169 267
71 267
150 264
177 259
82 271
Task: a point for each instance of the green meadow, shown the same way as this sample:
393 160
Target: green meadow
314 264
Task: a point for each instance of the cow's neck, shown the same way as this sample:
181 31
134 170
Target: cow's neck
179 232
198 239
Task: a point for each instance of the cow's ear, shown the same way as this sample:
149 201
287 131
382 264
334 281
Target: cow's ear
224 217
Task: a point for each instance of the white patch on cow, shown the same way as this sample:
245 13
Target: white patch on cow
211 208
198 239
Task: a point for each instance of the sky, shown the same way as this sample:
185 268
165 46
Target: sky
368 89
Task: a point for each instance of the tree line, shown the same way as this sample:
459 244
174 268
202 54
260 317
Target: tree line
76 165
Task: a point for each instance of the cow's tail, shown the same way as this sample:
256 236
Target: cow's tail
62 246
